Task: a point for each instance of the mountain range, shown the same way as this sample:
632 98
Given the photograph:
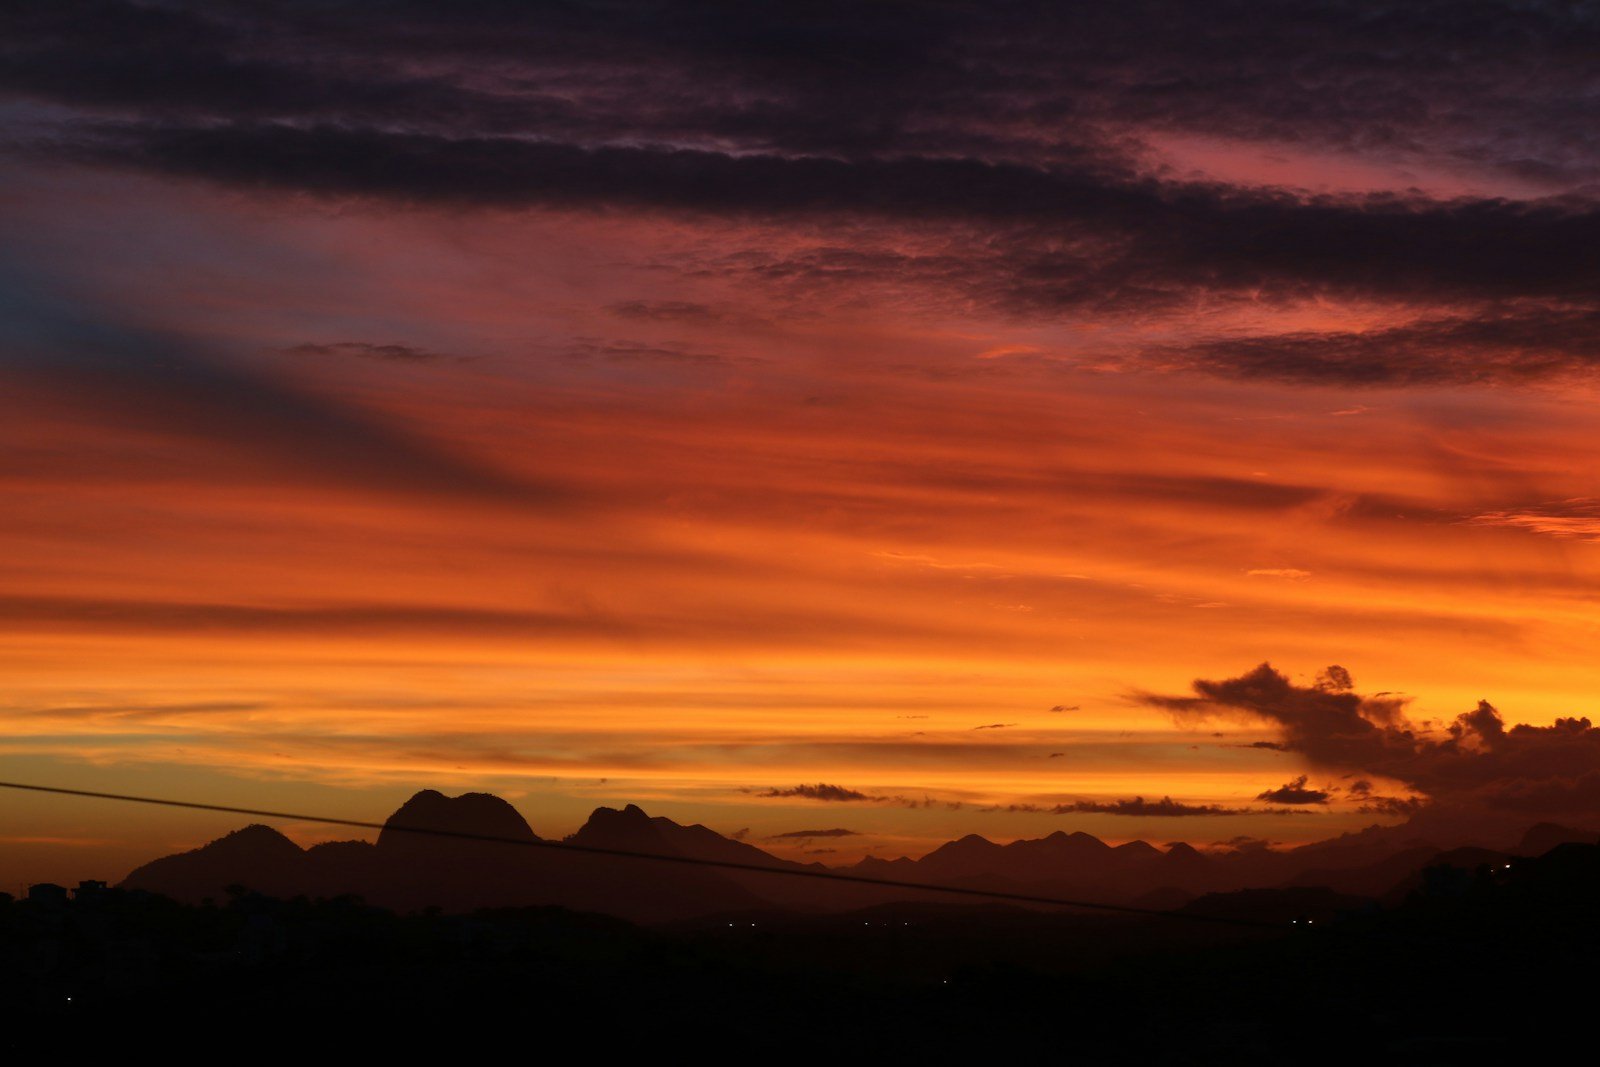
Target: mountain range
431 853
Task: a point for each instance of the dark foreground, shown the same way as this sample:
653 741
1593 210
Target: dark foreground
1476 964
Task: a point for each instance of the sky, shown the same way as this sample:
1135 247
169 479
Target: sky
1166 420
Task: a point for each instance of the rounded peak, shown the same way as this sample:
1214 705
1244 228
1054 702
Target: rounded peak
632 813
255 829
434 814
248 844
628 827
256 836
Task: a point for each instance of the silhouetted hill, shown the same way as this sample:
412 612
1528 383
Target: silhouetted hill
1077 864
104 971
1081 866
1369 879
631 829
1547 835
1451 870
1284 905
410 871
256 856
480 814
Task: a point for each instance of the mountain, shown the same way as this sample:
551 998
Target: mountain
630 829
1370 879
1076 865
1547 835
1283 905
257 856
476 851
418 862
423 821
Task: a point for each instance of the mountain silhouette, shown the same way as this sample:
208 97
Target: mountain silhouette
256 856
417 863
886 979
1072 864
1545 836
408 870
433 813
630 829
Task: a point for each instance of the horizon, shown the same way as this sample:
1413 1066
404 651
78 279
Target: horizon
306 832
908 421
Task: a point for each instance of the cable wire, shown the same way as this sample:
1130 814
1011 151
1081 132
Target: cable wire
656 857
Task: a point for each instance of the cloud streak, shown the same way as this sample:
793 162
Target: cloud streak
59 347
1035 179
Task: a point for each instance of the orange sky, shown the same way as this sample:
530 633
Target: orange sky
686 404
728 541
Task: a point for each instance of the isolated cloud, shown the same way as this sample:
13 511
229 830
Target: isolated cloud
800 834
839 794
823 791
1166 807
1243 843
623 351
666 311
1295 792
387 353
1396 807
1575 519
1474 758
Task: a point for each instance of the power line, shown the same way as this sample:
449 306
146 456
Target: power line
691 861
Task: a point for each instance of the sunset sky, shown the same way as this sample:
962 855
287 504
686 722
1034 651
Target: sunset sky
699 404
